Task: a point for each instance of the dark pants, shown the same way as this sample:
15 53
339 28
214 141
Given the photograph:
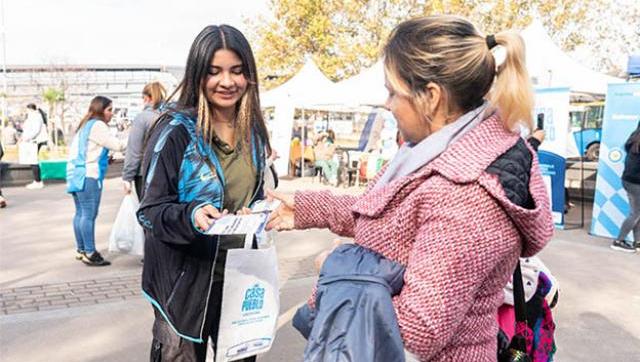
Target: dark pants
36 168
87 203
168 346
632 222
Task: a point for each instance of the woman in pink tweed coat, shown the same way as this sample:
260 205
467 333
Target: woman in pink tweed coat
452 206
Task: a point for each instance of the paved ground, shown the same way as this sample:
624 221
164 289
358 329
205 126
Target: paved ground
54 308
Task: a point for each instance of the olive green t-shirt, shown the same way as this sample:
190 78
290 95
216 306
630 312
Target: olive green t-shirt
239 175
239 185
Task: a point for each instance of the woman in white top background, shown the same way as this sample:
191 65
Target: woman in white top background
86 168
35 130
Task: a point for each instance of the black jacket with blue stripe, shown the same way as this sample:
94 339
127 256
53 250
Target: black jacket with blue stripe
182 174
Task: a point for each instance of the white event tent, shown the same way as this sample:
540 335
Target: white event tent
365 88
308 88
549 66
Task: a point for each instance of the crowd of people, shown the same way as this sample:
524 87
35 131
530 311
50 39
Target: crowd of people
437 234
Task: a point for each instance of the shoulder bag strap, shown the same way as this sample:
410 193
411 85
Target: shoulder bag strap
519 302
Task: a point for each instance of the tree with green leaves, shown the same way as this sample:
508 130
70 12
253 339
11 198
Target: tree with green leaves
344 36
612 35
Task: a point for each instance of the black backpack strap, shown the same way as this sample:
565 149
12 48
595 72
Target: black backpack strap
519 341
519 302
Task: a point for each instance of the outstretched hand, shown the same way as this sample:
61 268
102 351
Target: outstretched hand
282 217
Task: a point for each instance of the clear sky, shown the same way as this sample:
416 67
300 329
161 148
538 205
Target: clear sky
115 31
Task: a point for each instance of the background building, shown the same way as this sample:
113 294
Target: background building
64 91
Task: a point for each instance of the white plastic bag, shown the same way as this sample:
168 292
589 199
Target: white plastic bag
250 304
127 235
28 153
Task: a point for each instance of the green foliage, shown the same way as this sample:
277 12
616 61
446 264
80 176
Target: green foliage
53 96
344 36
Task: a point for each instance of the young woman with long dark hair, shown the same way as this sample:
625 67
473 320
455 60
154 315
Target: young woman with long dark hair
205 156
86 169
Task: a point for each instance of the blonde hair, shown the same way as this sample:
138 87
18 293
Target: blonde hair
449 51
156 92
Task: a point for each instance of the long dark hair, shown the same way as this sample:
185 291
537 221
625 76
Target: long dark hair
249 118
96 110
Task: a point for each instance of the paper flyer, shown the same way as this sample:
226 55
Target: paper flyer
253 223
239 224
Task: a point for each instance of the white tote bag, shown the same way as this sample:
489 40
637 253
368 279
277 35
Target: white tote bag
127 235
250 304
28 153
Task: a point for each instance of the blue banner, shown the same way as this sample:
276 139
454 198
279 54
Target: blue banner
551 114
621 116
553 168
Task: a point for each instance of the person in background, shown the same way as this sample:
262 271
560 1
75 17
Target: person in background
35 130
631 184
10 134
86 169
206 154
324 150
460 202
153 96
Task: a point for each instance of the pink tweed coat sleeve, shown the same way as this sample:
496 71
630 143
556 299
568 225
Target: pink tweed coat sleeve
329 211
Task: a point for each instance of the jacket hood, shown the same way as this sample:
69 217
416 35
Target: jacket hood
533 221
471 158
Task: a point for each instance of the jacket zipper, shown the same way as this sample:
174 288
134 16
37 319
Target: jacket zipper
206 305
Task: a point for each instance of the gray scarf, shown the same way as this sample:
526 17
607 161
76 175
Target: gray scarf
412 157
